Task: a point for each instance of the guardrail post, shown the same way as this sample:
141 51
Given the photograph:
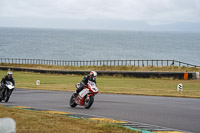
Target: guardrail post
172 63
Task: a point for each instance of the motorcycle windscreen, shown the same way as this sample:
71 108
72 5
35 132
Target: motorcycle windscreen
93 87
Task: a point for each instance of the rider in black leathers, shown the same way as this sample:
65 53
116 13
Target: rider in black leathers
90 77
8 77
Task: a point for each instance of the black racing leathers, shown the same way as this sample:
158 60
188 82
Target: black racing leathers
84 83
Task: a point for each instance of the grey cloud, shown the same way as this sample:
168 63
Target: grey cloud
150 11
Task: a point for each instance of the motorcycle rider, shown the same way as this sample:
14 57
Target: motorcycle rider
7 77
90 77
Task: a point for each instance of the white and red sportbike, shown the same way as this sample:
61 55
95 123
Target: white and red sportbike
85 97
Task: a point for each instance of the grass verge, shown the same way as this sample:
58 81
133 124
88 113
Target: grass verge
108 84
37 122
106 68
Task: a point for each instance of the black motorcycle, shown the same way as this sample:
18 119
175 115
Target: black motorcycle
6 91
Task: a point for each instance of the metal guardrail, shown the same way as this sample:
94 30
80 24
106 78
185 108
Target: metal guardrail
138 63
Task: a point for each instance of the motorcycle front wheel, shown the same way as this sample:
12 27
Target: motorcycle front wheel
0 96
7 95
88 103
72 102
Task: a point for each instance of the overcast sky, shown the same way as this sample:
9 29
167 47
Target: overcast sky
138 14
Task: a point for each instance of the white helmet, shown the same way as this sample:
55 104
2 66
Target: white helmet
9 73
93 75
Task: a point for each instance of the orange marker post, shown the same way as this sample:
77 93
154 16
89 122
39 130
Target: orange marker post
185 76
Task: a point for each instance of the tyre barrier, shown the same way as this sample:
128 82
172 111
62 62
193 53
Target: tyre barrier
174 75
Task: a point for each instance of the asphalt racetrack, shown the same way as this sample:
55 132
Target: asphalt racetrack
176 113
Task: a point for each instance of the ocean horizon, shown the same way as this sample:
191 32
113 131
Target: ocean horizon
82 44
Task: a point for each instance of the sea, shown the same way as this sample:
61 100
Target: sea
63 44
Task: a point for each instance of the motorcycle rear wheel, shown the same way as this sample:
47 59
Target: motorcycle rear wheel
72 102
88 103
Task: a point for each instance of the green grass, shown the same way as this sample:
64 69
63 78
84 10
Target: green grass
33 121
38 122
108 84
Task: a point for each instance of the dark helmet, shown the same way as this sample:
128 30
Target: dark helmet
93 75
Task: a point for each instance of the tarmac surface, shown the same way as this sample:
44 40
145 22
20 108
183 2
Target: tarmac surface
182 114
